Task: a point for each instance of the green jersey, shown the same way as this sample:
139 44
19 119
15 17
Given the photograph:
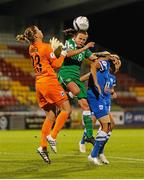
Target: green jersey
71 65
70 70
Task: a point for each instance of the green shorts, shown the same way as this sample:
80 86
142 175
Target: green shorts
64 80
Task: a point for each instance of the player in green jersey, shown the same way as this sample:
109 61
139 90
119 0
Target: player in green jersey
69 75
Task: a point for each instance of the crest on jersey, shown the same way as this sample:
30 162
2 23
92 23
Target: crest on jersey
62 93
101 107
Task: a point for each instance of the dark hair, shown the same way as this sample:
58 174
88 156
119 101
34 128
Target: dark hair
112 66
81 32
69 33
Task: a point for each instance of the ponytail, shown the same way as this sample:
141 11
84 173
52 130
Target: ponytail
21 38
29 35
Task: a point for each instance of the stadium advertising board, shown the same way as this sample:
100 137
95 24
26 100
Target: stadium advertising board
34 122
118 117
134 117
4 122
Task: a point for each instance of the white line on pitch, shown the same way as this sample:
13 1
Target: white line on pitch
79 155
126 158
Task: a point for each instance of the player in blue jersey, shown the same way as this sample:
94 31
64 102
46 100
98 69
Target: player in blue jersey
96 98
109 88
98 80
109 94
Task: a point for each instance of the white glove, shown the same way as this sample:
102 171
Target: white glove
55 43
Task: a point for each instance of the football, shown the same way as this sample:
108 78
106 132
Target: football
81 23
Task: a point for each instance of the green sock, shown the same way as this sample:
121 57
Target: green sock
88 123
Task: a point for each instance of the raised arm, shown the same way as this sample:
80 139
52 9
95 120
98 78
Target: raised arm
94 67
54 61
99 56
78 51
57 62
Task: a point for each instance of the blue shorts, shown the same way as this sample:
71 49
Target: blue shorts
97 105
108 104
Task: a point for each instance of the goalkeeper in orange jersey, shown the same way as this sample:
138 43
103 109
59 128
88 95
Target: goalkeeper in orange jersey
49 92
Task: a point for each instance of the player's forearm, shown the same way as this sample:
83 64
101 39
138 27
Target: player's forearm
103 53
85 77
93 57
93 72
75 52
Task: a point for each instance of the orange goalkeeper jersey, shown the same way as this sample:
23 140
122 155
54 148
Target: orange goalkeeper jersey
44 61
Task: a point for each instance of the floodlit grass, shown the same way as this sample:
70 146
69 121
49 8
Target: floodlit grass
18 157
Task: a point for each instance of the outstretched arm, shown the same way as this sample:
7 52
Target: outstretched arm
78 51
99 56
57 62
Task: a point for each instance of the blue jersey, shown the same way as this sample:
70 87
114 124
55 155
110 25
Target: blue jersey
102 78
97 101
111 82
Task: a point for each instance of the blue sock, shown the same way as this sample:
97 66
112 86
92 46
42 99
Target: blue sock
100 140
84 135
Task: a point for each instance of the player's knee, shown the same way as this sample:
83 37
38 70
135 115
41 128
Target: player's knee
67 108
106 127
84 105
75 91
73 88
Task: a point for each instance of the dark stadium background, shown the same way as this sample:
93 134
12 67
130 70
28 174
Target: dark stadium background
116 25
120 30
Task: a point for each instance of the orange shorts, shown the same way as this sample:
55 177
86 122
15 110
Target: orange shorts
49 91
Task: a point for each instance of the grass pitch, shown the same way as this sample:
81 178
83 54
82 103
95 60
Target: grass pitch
18 157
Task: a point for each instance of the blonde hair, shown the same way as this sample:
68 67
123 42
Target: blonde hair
29 35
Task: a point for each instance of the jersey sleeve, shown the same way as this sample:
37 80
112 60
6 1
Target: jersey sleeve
88 53
69 45
54 62
49 52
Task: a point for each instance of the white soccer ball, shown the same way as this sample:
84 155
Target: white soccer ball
81 23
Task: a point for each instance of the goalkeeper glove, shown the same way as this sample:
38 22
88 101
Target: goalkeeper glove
55 43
